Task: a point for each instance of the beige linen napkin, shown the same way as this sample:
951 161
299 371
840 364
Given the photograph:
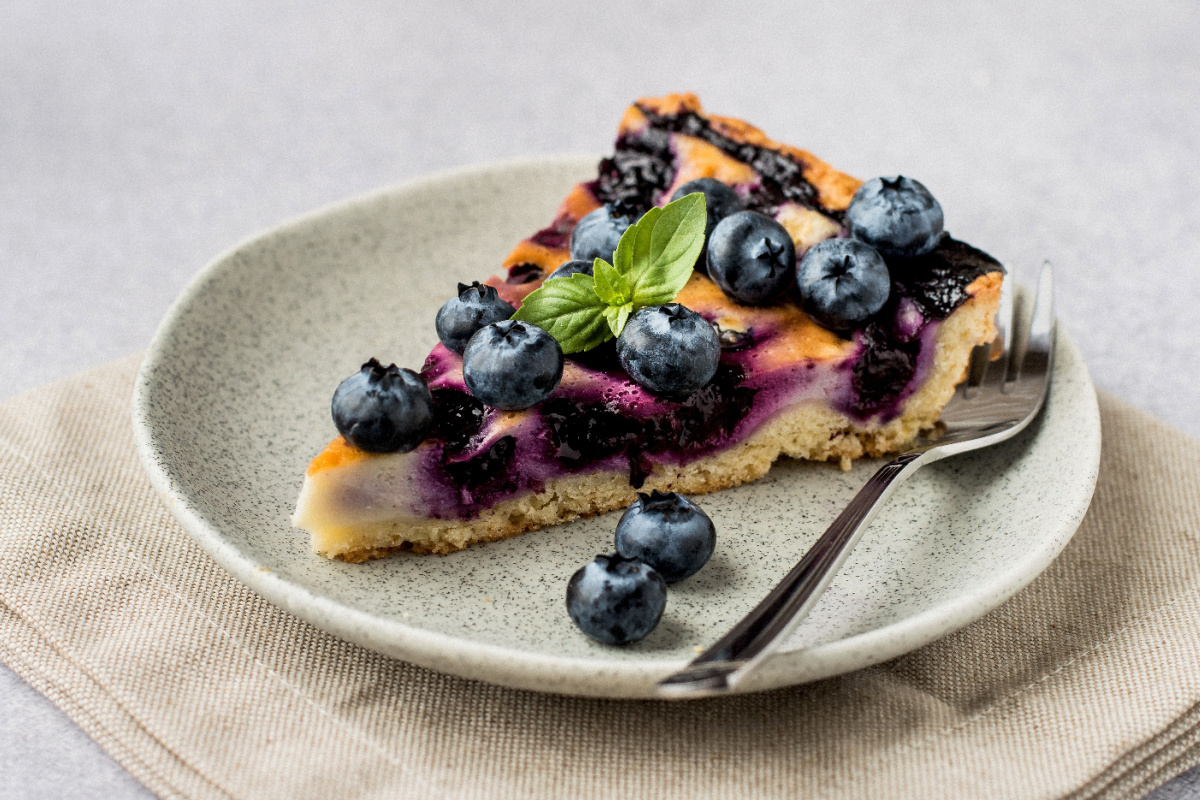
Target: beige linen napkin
1086 683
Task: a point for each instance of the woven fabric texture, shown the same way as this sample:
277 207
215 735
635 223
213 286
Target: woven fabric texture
1085 684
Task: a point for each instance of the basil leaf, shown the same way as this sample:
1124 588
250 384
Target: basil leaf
652 263
664 258
570 311
611 285
617 316
640 239
623 255
678 234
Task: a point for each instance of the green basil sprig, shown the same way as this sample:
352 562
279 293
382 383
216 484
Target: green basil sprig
652 262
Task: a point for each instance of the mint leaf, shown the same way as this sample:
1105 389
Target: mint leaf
569 310
611 285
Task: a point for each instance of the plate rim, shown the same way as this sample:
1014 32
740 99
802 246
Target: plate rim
514 667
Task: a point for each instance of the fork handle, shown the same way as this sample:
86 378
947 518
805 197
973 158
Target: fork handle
719 668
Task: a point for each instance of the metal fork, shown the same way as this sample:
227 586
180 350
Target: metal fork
1005 388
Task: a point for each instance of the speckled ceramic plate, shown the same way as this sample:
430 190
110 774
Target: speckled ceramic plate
233 401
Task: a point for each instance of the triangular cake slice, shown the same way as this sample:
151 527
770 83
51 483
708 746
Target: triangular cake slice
785 386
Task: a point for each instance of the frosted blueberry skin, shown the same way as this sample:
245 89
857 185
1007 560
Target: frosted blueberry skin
512 365
461 317
719 202
616 600
669 350
598 234
667 531
897 216
383 409
842 282
569 268
751 257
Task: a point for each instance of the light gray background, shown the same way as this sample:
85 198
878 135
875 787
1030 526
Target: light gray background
139 139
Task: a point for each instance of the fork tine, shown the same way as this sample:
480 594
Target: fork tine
977 368
1004 317
1035 362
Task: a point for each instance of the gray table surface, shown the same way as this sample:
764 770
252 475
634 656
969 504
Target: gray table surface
139 139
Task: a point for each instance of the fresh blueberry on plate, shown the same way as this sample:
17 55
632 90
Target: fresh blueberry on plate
751 257
616 600
461 317
383 409
511 365
669 349
569 268
719 202
897 216
667 531
842 282
598 234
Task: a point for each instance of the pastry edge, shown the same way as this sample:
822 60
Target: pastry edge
802 432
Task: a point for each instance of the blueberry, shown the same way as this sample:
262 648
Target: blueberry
569 268
669 349
512 365
842 282
669 532
383 409
719 202
897 216
597 235
751 257
460 317
616 600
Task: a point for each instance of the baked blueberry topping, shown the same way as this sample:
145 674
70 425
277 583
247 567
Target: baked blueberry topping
616 600
523 273
583 433
937 281
569 268
883 370
897 216
719 202
667 531
669 349
488 470
383 409
782 177
598 234
511 365
842 282
460 317
457 417
751 257
640 170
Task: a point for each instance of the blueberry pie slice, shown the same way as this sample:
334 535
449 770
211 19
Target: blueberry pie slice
894 336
